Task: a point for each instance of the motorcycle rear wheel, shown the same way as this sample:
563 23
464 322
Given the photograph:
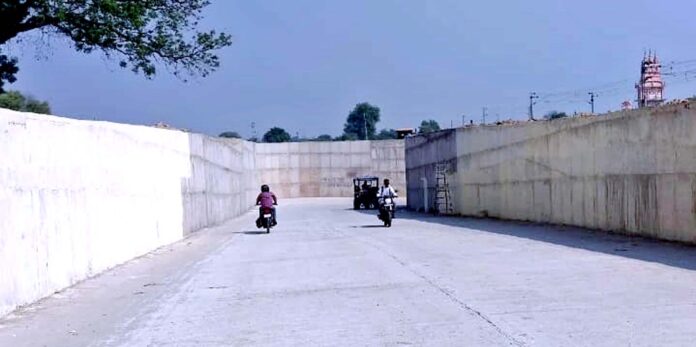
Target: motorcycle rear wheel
387 220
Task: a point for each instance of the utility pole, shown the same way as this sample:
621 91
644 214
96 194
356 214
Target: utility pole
485 113
532 97
463 118
365 122
592 98
253 130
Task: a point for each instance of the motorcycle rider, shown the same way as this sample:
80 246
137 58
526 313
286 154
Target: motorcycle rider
386 191
266 199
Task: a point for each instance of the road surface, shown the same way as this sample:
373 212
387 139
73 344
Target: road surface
329 276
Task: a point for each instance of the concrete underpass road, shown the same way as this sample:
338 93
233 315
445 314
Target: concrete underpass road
328 276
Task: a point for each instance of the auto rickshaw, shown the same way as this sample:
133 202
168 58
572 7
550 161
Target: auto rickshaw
365 192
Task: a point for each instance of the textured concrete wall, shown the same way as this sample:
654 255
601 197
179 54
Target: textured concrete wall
326 169
223 181
423 153
78 197
632 172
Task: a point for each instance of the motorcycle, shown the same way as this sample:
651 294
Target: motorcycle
266 220
387 208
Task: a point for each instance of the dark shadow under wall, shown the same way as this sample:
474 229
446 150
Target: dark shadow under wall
635 247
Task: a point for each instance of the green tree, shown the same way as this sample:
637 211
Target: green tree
428 126
555 115
230 135
346 137
324 137
15 100
12 100
36 106
386 134
364 116
8 69
140 33
276 134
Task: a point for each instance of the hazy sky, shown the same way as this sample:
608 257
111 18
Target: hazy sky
303 64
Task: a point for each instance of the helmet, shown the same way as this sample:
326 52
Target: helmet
265 188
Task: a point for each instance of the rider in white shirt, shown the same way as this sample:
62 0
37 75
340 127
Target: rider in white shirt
387 191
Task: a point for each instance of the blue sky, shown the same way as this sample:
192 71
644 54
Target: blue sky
304 64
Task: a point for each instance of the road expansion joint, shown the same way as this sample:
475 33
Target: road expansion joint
447 293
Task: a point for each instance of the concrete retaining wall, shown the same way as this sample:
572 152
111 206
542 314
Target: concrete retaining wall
78 197
325 169
424 152
223 181
631 172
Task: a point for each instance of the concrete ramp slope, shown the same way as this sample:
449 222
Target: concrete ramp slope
631 171
78 197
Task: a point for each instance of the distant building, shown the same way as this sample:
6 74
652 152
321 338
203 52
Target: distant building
650 88
403 132
162 125
626 105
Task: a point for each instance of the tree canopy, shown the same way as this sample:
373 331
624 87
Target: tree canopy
361 117
230 135
15 100
324 137
555 115
276 134
428 126
140 33
8 69
346 137
386 134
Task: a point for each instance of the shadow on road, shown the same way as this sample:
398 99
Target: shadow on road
636 247
254 232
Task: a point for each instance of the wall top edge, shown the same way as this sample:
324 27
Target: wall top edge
7 115
669 108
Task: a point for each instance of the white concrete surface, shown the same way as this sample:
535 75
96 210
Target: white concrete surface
630 171
328 276
326 169
78 197
223 183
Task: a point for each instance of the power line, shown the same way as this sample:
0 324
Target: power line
580 92
674 72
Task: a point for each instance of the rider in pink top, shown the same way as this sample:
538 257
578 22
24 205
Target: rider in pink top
267 200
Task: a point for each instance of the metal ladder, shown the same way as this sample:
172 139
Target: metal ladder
443 201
